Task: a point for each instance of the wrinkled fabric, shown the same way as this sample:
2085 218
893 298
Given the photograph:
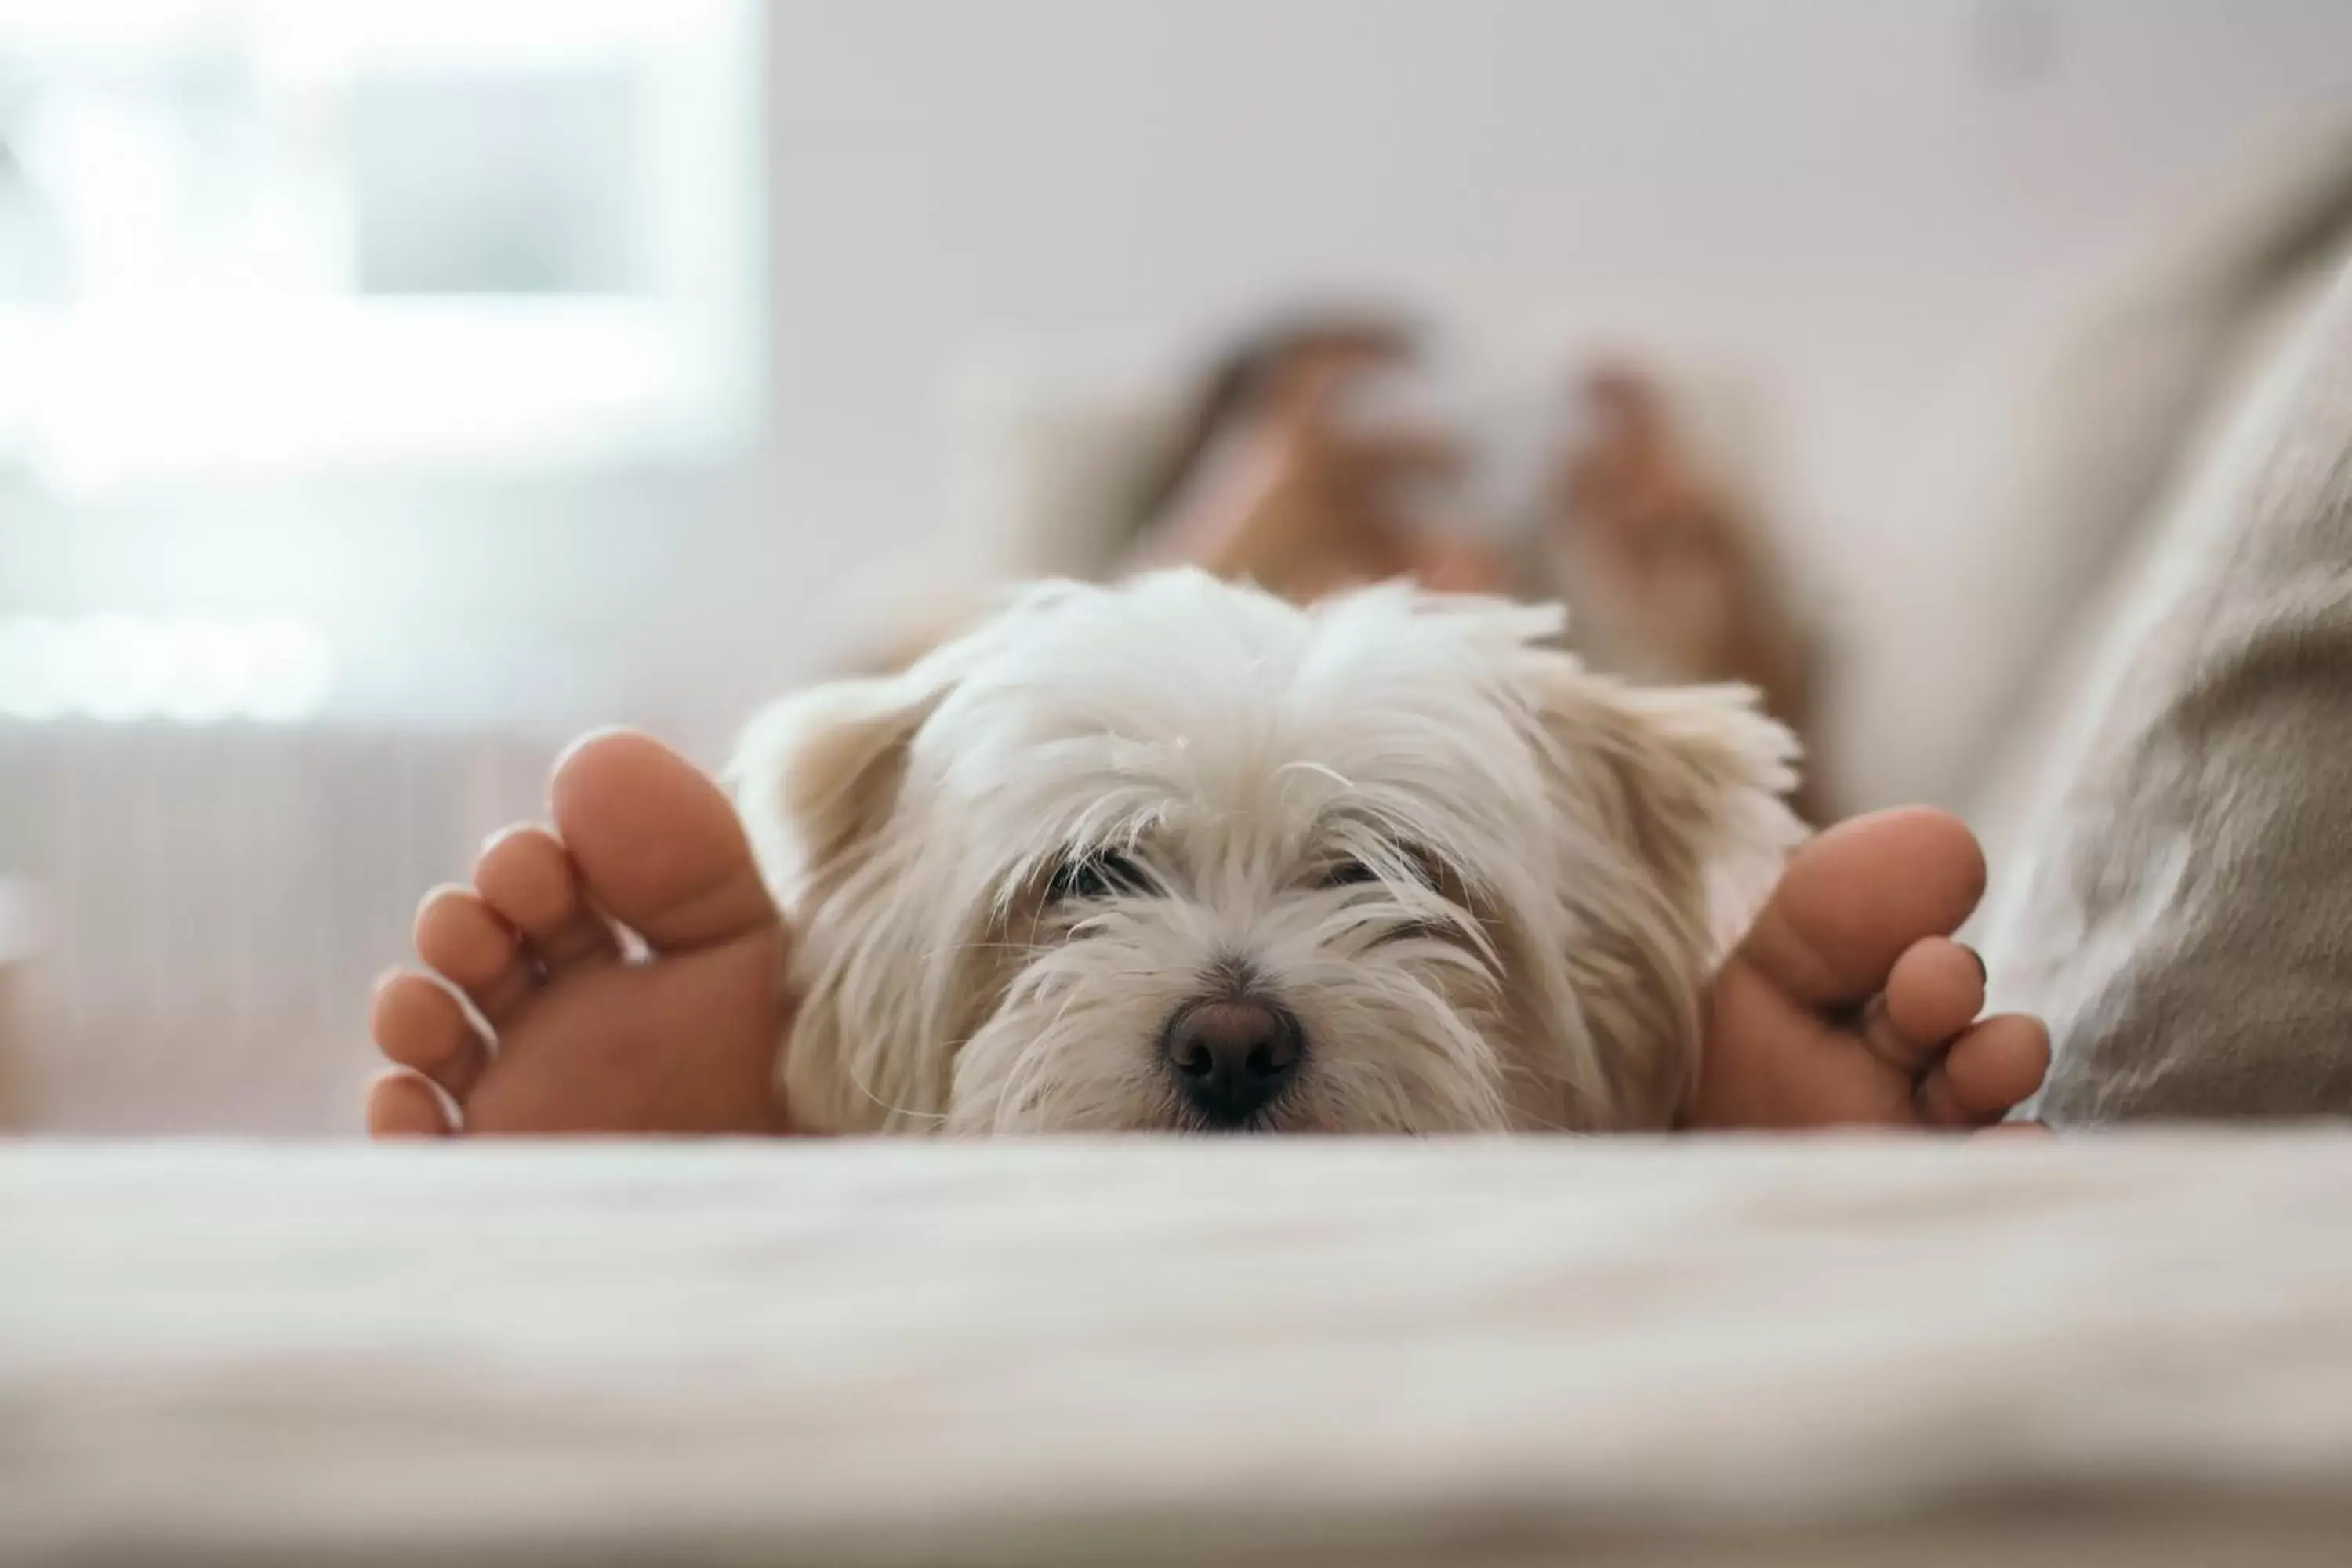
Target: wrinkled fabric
1311 1353
2186 923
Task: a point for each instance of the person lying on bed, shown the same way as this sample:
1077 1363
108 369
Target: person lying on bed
1847 1003
1287 466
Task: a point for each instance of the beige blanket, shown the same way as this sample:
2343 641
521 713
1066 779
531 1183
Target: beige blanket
2186 921
1846 1352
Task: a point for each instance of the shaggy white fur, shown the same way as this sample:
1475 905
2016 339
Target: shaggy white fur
1484 885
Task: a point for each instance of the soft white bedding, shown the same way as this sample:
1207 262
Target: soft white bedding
1849 1351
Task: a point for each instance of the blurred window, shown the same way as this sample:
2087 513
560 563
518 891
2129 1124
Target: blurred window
240 237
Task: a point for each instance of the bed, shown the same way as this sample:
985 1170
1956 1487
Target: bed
2127 1348
2093 1349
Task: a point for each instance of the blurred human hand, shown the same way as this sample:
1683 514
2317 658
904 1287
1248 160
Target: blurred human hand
1315 493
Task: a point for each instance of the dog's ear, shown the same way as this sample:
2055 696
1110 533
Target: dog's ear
816 775
817 779
1694 780
1686 789
820 780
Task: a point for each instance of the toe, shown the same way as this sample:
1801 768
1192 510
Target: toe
657 843
527 878
1856 898
1934 993
418 1025
1987 1072
403 1105
460 938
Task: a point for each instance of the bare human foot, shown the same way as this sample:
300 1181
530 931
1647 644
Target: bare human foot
1848 1004
586 1038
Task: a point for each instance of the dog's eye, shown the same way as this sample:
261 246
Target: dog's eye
1099 875
1356 872
1350 873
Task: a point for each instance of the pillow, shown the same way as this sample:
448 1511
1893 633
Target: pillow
2040 733
2027 486
2184 918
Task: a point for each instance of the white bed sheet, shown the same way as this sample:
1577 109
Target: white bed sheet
2129 1350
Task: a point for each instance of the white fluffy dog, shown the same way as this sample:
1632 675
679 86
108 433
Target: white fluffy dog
1177 855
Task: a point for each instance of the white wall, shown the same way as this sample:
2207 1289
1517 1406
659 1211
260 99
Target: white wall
1847 196
1847 184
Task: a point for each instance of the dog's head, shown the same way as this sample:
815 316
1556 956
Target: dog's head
1177 855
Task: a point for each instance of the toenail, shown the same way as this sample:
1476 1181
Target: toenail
591 738
444 890
1984 975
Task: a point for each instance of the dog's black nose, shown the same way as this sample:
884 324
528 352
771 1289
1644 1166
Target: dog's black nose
1231 1057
